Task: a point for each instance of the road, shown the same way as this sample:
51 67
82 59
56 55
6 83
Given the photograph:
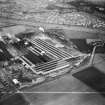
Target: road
64 99
72 32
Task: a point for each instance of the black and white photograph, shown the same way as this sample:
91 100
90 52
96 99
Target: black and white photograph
52 52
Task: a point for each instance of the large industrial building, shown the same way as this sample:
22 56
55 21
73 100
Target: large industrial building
52 52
